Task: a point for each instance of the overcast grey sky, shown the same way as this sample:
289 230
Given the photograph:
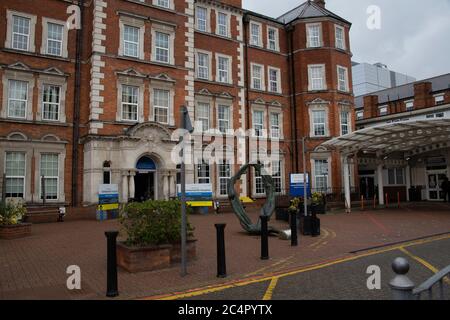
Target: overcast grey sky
414 37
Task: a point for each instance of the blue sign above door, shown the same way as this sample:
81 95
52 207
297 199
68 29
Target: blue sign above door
146 163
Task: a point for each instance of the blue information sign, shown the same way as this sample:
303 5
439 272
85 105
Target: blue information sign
296 185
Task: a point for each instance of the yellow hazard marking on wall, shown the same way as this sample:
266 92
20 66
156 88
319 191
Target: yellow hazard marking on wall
200 203
107 207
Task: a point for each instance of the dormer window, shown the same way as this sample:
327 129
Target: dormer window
383 110
409 105
439 99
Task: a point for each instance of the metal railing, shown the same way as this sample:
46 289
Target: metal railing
337 194
404 289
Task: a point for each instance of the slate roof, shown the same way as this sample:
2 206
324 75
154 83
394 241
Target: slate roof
403 92
309 9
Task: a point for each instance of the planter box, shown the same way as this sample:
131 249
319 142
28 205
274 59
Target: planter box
282 214
135 259
309 226
16 231
318 209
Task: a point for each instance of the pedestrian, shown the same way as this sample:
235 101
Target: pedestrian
445 186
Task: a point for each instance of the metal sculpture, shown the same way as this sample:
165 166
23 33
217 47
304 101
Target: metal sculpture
268 208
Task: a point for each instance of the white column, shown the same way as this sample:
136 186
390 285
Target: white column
408 181
166 187
380 185
348 198
124 187
131 185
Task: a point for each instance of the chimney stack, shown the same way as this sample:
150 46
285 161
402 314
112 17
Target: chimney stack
320 3
370 106
422 95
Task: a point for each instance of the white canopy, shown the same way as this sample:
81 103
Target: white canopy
407 137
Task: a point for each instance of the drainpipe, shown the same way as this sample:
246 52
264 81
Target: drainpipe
76 106
246 21
294 142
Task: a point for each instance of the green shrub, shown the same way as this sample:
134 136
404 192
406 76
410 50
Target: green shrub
11 213
153 223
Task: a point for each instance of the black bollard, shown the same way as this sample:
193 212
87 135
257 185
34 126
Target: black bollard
221 262
111 285
264 238
294 238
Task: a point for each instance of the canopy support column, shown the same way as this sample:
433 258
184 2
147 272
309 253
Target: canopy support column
348 198
380 184
408 182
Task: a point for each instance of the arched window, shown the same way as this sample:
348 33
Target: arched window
107 172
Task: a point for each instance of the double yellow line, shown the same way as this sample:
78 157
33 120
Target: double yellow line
275 277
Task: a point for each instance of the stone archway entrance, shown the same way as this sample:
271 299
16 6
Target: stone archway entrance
145 181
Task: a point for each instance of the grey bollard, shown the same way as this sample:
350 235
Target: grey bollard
401 286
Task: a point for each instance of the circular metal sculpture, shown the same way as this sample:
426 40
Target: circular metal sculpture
267 209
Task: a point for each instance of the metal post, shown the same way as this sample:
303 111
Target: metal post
221 262
294 232
43 189
183 218
111 285
401 286
4 188
264 238
305 191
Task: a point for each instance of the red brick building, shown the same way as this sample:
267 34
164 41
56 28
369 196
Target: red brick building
99 105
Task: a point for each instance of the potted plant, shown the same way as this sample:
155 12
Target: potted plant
318 205
153 234
11 225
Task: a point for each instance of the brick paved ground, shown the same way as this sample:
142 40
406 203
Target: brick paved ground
34 267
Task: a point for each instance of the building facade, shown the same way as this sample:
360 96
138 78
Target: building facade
421 111
100 104
368 78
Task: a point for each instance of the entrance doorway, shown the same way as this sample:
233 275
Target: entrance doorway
145 186
435 179
146 180
367 187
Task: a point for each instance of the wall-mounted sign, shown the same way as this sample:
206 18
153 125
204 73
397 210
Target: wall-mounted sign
297 183
198 195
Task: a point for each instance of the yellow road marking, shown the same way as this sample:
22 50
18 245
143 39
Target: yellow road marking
424 263
324 235
278 263
246 282
270 289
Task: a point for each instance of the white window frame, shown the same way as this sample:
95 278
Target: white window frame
220 178
45 40
229 68
207 20
314 108
253 42
58 104
57 81
31 47
326 176
201 118
136 23
49 177
203 176
311 79
261 79
227 25
229 121
170 32
261 126
343 46
24 177
19 76
197 64
278 129
309 43
409 105
170 6
20 100
383 110
346 124
396 172
359 115
138 94
275 41
270 81
345 87
439 98
161 107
